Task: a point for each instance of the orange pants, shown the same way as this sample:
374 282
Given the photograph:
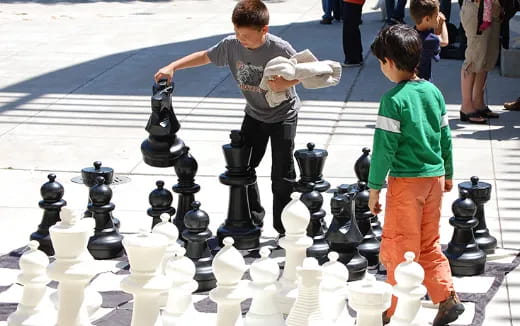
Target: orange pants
412 215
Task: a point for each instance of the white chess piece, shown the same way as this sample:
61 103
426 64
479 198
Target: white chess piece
179 309
228 267
295 218
409 290
34 308
369 298
170 231
73 268
334 291
306 310
264 311
145 252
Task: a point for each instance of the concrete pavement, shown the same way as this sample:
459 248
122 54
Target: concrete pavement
75 86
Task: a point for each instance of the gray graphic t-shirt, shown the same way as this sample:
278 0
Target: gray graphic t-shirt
247 67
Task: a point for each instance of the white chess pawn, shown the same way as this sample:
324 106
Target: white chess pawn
409 290
145 252
306 310
369 298
228 267
264 311
34 308
179 309
295 218
73 268
334 291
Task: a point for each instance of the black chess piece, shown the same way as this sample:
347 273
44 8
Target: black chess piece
344 236
186 168
480 193
311 162
463 252
370 246
52 193
362 169
89 175
196 235
160 199
315 229
106 243
162 147
238 224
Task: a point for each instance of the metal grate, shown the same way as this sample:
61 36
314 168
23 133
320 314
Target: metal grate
118 179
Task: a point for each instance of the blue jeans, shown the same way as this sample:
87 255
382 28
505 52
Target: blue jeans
393 11
331 9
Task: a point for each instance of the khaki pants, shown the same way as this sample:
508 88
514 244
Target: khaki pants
412 215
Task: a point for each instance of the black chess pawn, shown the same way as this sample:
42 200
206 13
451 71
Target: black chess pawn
370 246
238 224
344 236
362 169
311 162
162 147
480 193
463 252
106 243
89 175
52 193
196 235
315 229
186 168
160 199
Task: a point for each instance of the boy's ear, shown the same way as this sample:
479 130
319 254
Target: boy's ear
265 29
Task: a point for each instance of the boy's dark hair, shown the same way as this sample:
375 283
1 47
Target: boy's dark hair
399 43
422 8
250 13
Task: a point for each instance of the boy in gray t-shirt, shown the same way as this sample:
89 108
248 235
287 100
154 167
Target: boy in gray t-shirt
246 53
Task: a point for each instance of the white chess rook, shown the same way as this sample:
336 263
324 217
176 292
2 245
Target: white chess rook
295 218
228 267
73 268
33 309
369 298
264 310
145 282
334 291
179 309
409 290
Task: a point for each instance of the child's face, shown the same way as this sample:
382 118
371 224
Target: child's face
386 68
251 37
432 21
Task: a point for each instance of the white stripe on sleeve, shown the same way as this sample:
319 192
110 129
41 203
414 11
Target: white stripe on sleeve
444 121
388 124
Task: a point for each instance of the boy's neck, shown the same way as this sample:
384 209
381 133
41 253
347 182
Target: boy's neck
402 76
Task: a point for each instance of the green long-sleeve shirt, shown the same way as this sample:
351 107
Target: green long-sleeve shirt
412 136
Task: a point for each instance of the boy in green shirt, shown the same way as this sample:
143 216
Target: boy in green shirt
412 142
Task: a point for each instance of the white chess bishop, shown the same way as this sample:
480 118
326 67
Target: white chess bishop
295 218
264 310
179 310
369 298
145 252
409 290
34 308
73 268
229 267
334 291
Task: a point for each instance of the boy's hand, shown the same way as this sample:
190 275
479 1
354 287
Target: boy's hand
448 185
165 72
280 84
373 202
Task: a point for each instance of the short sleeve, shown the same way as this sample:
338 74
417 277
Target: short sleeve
218 53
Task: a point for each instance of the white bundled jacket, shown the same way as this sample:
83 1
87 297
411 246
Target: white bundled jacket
302 66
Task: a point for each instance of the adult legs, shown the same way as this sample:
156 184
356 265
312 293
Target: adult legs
399 10
352 47
327 11
479 87
390 6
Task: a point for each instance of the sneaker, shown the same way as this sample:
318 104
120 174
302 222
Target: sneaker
326 21
449 310
386 319
513 106
348 64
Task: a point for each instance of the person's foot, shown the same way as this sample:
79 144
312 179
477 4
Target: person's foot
326 21
449 310
487 113
513 106
350 64
473 117
393 21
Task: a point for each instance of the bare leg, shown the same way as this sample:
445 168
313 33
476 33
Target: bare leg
467 84
479 86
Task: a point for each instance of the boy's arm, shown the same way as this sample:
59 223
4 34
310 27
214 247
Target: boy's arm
446 147
191 60
442 30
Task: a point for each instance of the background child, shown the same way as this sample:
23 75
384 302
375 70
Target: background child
431 25
412 141
246 54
